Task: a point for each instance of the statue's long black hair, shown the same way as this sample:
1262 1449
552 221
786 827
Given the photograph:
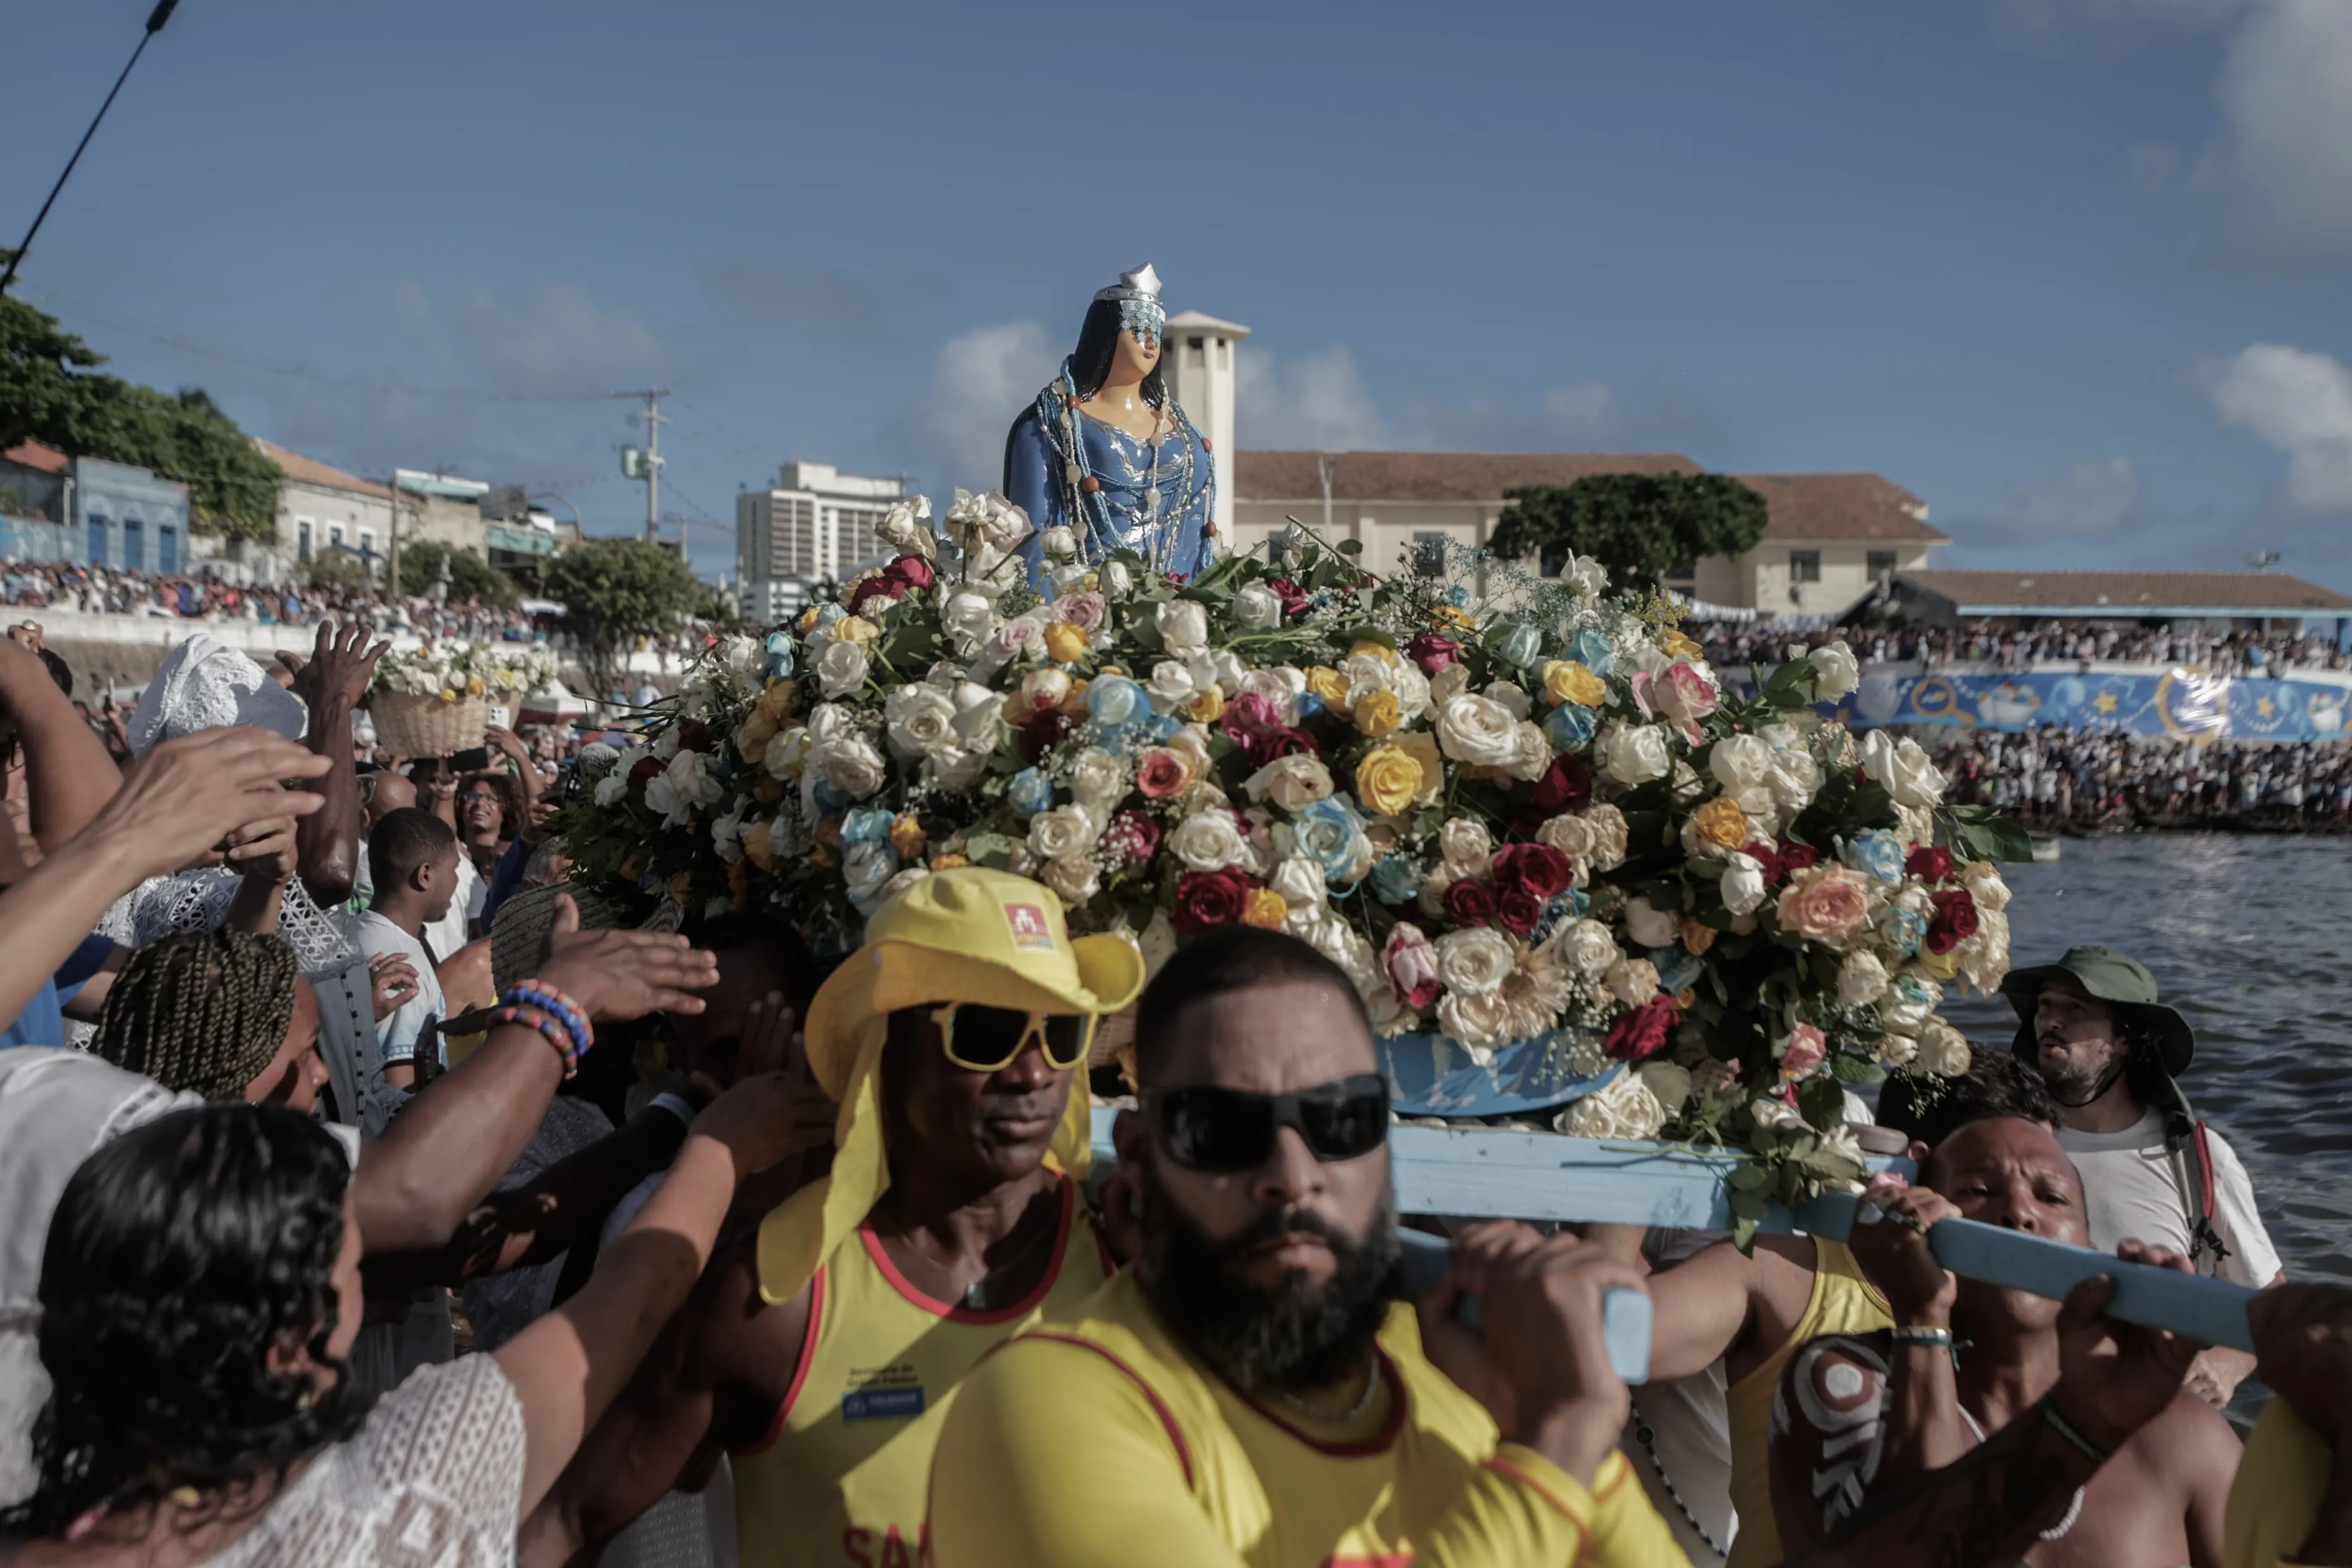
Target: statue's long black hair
180 1254
1090 365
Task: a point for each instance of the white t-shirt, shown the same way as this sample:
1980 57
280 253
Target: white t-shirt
396 1037
2132 1188
454 929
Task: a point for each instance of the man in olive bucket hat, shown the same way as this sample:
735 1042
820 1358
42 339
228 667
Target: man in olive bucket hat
821 1350
2110 1051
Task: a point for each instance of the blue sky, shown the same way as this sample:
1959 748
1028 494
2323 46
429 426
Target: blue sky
2078 272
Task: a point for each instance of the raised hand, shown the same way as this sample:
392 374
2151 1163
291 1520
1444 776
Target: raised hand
180 802
2116 1377
266 852
1893 1252
768 1118
510 744
391 981
2303 1340
340 666
615 975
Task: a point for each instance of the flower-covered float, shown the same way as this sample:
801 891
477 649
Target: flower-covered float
1567 871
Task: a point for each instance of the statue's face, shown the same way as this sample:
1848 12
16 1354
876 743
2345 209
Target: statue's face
1136 356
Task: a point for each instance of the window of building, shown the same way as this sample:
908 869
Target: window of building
134 544
1881 562
1683 574
367 541
167 549
302 539
98 541
1429 554
334 534
1804 566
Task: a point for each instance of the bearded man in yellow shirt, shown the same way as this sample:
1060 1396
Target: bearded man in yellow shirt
1251 1391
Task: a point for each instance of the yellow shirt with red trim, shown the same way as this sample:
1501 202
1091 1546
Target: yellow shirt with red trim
1097 1440
838 1481
1843 1302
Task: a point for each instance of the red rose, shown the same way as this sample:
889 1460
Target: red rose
1642 1032
1766 856
1518 909
1247 713
647 769
911 570
1795 858
694 735
1470 903
1954 921
882 587
1206 900
1294 601
1566 786
1433 651
1277 740
1929 863
1540 869
1042 734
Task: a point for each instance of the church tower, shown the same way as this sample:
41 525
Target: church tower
1199 364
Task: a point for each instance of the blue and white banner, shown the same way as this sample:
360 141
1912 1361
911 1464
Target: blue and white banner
2181 701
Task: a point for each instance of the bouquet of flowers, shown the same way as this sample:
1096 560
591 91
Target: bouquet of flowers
451 671
1514 810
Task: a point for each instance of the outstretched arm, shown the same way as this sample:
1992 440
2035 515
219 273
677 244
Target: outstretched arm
68 773
341 663
1701 1310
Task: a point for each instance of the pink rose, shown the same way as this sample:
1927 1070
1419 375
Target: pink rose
1161 773
1433 651
1083 611
1410 962
1684 692
1824 904
1803 1050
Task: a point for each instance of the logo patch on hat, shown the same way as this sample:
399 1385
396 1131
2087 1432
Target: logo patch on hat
1029 928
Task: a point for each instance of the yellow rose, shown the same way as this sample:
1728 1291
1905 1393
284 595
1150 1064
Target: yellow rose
1377 714
1209 706
1265 908
1074 703
1328 685
1942 966
1698 936
1721 823
807 623
1387 779
755 846
1568 680
948 862
855 628
474 687
1377 649
1421 747
1447 618
1680 646
752 739
1063 642
447 696
779 700
906 836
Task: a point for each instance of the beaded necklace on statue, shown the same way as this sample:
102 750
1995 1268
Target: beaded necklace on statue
1141 529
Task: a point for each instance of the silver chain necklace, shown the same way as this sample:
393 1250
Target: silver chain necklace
1355 1413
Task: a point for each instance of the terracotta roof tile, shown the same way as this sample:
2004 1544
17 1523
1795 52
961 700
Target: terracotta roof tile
36 454
2126 592
1837 506
1431 476
304 470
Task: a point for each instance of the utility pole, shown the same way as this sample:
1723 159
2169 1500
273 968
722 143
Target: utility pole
392 546
646 465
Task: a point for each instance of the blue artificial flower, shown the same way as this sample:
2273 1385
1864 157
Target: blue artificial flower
1114 700
1569 726
827 800
1579 902
1591 650
781 655
827 615
1162 727
1459 595
1678 967
1904 929
1514 643
1876 854
1396 879
1030 792
866 827
1329 832
1309 704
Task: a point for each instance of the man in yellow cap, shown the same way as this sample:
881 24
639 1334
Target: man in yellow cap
1249 1391
822 1353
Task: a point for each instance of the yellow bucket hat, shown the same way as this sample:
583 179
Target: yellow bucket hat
967 935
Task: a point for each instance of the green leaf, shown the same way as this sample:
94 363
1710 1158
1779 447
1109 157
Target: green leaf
1822 1101
1350 547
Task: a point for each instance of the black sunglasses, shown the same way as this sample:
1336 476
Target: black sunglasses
1223 1130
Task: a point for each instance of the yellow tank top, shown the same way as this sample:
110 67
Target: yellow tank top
839 1480
1843 1302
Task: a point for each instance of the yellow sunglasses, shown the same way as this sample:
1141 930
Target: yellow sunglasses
983 1039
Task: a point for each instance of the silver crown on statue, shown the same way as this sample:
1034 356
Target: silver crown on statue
1140 283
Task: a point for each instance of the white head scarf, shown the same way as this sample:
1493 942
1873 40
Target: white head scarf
204 683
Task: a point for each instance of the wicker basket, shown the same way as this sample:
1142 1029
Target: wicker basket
409 725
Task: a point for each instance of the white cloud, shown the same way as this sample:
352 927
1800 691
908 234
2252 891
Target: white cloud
1315 403
2088 499
978 386
2286 154
557 338
2300 402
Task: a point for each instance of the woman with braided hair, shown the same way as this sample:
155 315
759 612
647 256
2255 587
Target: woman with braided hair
217 1013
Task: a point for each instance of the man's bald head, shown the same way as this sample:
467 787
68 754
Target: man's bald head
389 792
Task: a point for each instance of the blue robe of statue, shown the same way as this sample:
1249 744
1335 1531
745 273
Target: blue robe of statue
1163 519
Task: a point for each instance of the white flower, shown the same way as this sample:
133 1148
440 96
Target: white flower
1184 627
841 668
1512 696
1412 688
1293 782
1476 961
1982 879
1776 1115
1063 830
1225 667
1983 958
1782 737
977 713
1098 780
1448 683
1902 769
1796 779
1590 948
1571 835
1073 878
679 788
1608 825
866 867
849 765
1116 582
1280 684
1740 762
1837 672
1171 686
1669 1083
1743 885
727 834
787 753
1366 674
903 526
1060 543
958 768
969 618
1532 760
1477 731
615 785
1209 839
1632 981
1911 1006
1479 1021
1634 753
1651 927
919 720
989 518
1943 1050
1257 608
1861 979
1300 882
1625 1109
1586 576
1465 846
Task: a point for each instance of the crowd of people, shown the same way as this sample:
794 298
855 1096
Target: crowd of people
108 591
2069 778
385 1217
1733 644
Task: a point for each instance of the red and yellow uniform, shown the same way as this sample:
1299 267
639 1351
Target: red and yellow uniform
1094 1439
839 1480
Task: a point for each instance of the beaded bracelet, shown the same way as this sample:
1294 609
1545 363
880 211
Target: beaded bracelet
539 994
552 1027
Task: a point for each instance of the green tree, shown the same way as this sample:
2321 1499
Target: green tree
51 390
338 571
470 577
1642 527
614 591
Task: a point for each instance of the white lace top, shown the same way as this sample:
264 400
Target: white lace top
434 1480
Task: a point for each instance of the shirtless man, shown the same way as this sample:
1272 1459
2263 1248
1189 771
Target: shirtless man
823 1358
1857 1414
